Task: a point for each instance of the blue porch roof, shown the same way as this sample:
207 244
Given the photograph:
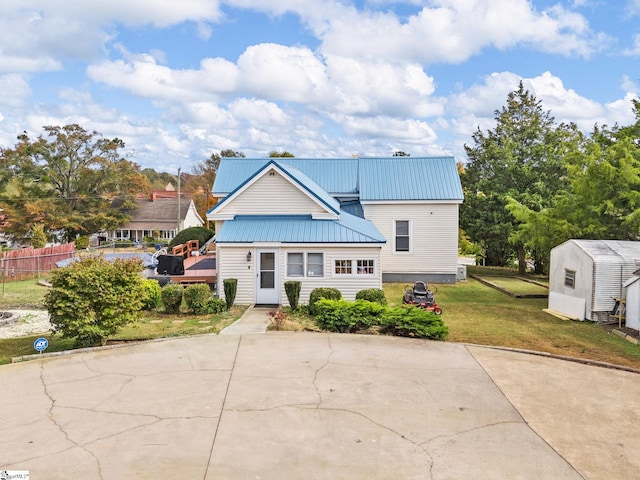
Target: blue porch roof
298 229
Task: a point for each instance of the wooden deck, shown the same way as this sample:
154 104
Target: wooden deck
197 269
200 269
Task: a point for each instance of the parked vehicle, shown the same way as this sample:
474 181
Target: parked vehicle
420 296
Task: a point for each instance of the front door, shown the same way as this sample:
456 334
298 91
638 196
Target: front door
267 291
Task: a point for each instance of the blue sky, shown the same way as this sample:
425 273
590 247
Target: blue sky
180 80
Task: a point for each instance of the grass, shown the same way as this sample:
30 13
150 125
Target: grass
475 313
516 285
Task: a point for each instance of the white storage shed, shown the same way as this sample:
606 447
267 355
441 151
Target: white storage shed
586 276
633 301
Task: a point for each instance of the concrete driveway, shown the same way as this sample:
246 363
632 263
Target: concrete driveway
316 406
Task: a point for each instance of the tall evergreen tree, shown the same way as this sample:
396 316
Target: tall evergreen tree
522 160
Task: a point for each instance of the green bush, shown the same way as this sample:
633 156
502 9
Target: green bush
343 316
93 298
351 317
39 237
292 288
415 322
230 289
152 294
172 294
196 296
372 295
82 242
215 305
193 233
318 293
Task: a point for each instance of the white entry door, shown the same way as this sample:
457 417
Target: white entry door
267 278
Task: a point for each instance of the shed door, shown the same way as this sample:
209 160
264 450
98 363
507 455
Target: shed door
267 278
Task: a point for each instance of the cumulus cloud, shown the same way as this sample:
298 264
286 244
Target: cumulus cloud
451 31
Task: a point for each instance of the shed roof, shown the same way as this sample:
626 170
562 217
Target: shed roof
298 229
610 251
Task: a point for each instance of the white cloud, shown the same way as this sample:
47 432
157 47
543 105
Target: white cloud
451 31
14 89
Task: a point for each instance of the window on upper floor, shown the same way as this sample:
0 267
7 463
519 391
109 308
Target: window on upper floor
402 243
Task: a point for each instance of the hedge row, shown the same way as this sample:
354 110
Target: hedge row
351 317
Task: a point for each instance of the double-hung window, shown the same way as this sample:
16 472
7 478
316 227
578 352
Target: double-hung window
402 236
305 264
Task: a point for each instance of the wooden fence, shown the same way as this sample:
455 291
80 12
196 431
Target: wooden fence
27 263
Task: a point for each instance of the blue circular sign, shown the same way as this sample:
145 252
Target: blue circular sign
41 344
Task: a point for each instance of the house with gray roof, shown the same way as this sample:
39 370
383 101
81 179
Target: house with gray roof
159 215
349 223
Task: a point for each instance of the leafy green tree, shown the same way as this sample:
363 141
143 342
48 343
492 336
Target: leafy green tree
602 196
93 298
522 159
284 154
66 182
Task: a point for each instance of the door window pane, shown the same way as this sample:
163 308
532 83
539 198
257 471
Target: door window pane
267 280
267 261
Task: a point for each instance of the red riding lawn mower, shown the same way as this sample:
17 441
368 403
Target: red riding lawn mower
420 296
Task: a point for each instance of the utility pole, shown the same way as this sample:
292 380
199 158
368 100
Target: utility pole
179 205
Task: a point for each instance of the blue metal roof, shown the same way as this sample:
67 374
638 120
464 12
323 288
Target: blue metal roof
298 177
337 176
409 178
375 178
298 229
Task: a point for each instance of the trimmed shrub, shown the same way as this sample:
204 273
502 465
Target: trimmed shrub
372 295
351 317
196 296
343 316
93 298
319 293
292 288
172 294
215 305
230 289
152 294
193 233
415 322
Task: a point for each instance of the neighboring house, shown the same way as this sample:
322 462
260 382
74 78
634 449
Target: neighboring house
586 276
158 215
345 223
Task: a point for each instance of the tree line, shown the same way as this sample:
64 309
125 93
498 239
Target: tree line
531 183
71 182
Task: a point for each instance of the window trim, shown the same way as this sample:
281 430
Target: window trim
305 264
408 236
353 267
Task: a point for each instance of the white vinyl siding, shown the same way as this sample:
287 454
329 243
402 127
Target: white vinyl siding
231 262
433 236
348 285
272 195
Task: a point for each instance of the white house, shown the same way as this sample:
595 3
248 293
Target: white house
345 223
632 297
159 215
586 276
